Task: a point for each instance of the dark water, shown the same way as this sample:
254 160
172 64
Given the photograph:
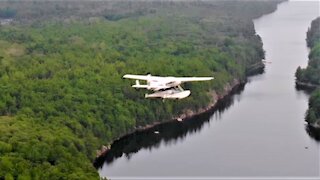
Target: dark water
258 132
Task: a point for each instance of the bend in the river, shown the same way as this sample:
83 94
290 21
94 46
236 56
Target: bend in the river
262 135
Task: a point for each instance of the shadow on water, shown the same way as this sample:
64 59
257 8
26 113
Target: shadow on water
306 89
173 131
170 132
313 132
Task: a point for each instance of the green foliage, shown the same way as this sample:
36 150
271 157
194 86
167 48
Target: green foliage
313 34
313 113
62 94
311 74
39 150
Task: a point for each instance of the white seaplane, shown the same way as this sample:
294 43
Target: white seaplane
164 87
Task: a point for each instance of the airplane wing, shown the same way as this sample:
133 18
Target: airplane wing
181 79
138 77
189 79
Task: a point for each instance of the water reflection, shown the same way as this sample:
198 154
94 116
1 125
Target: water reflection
169 133
307 89
313 132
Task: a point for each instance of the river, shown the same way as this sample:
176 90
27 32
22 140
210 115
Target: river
257 132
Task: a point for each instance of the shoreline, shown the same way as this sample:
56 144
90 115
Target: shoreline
108 152
306 86
229 88
309 88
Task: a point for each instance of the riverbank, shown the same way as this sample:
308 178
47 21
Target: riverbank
159 130
313 112
67 98
262 121
229 88
306 86
309 77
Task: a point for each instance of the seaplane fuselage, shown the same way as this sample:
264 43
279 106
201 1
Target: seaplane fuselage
164 87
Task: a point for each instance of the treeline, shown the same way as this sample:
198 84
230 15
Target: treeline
62 95
310 76
313 113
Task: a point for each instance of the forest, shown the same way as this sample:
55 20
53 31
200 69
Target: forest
311 74
62 95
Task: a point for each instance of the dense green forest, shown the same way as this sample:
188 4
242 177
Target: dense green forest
311 74
62 95
313 113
